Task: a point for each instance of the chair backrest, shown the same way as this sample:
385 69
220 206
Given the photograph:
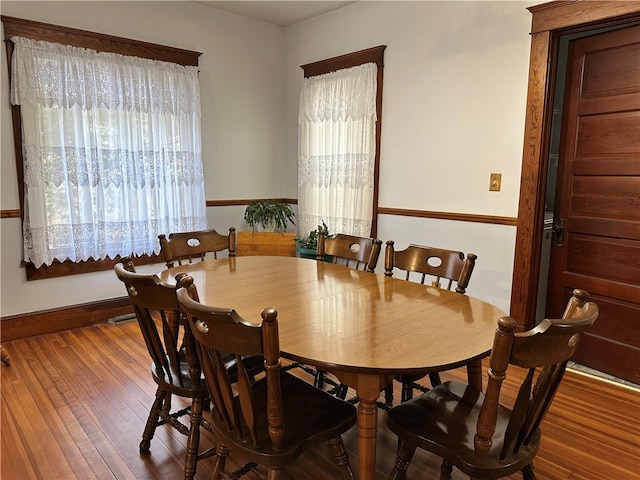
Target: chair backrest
156 309
355 252
543 350
185 247
219 331
440 264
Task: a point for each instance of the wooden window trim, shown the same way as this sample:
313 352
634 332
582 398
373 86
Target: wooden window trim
96 41
102 43
370 55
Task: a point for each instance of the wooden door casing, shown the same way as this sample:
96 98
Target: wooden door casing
598 198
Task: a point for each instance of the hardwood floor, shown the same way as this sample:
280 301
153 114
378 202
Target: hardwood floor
74 405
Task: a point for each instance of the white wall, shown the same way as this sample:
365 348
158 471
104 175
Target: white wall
242 90
453 112
455 82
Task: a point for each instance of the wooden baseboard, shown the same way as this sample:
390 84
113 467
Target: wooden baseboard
14 327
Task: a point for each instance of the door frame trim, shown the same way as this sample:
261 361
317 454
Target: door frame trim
549 21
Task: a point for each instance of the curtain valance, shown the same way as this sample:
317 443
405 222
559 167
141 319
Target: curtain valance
340 95
67 76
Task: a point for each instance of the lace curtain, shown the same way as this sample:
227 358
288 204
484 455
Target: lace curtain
336 151
112 151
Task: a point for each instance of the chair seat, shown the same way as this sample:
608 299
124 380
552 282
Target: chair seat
182 383
430 421
306 410
254 364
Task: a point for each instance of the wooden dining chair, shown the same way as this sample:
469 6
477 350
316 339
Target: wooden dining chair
185 247
437 264
175 367
272 421
473 431
446 269
351 251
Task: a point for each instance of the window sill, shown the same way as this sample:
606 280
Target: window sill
61 269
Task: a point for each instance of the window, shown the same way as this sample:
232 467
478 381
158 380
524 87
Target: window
110 145
338 143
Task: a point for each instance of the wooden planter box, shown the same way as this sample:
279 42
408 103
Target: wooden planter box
267 243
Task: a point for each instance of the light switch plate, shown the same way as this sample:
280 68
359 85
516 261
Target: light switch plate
495 181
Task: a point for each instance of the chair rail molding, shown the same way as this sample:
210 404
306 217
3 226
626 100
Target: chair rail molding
460 217
13 213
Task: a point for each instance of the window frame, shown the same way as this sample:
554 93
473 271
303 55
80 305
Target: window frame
102 43
369 55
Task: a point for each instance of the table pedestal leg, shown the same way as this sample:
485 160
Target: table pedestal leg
368 389
367 430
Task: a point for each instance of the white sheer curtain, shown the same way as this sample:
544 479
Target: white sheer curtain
112 151
336 151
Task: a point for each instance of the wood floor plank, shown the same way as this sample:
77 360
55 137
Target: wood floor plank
55 378
110 411
129 388
38 439
70 438
74 404
15 458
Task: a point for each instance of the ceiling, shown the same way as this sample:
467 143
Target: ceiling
279 13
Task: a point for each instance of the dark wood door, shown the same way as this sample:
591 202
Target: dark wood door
597 215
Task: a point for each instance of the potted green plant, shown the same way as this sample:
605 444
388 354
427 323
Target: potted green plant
308 246
267 235
269 215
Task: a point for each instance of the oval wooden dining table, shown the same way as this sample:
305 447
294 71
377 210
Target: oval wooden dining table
362 327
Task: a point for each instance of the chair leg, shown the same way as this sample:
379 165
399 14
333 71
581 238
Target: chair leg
341 391
528 473
407 391
405 454
434 378
193 439
341 458
222 452
152 420
388 395
4 356
319 380
274 473
445 469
